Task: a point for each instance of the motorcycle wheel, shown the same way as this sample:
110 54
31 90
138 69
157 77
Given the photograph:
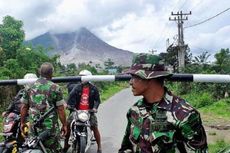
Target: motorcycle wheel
80 146
9 150
4 150
1 149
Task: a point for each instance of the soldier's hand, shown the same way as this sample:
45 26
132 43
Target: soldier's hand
64 130
24 129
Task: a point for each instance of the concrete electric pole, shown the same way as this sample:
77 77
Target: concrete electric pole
179 17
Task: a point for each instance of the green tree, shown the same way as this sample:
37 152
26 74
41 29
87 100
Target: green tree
31 58
109 63
13 66
171 56
12 36
83 66
222 63
202 58
222 66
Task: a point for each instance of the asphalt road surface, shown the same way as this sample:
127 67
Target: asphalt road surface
112 121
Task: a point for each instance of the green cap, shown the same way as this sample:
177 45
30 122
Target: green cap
148 66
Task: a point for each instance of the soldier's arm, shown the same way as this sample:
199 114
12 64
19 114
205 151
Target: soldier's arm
193 132
126 144
60 109
25 107
24 112
62 117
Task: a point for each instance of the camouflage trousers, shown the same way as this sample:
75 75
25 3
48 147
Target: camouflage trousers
50 140
53 145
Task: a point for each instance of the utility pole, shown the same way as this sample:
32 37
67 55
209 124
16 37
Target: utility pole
179 17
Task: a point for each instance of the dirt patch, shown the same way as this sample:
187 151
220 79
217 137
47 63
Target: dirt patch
213 135
217 128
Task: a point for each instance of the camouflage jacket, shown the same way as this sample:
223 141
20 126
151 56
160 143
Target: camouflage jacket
165 127
40 97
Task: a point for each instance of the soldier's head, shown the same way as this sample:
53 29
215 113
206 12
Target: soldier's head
146 69
46 70
29 76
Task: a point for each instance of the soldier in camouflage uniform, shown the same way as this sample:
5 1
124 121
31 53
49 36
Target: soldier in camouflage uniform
38 99
160 122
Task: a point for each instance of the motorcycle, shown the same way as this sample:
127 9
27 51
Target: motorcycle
13 136
81 135
35 144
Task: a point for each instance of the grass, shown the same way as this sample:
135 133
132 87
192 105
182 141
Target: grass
219 109
217 147
107 92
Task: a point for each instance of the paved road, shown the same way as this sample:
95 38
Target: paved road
112 120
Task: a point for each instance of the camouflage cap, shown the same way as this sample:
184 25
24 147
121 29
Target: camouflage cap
148 66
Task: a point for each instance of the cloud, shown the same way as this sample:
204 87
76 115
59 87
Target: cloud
135 25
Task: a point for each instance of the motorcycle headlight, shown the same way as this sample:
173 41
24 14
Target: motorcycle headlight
83 116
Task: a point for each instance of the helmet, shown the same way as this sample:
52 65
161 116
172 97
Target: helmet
29 76
148 66
85 73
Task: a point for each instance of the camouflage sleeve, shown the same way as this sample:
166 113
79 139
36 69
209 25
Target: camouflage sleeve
126 143
58 96
193 133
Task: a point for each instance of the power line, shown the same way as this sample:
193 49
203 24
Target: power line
207 19
180 8
161 36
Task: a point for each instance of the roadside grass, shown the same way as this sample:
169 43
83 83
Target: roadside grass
111 89
219 110
217 147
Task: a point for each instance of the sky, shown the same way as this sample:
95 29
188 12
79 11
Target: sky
134 25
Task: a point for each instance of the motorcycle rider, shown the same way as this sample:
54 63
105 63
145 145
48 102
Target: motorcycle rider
16 138
85 96
15 105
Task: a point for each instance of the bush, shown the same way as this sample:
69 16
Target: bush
197 94
220 108
199 100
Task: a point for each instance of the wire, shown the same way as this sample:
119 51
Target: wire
161 36
197 4
180 8
207 19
